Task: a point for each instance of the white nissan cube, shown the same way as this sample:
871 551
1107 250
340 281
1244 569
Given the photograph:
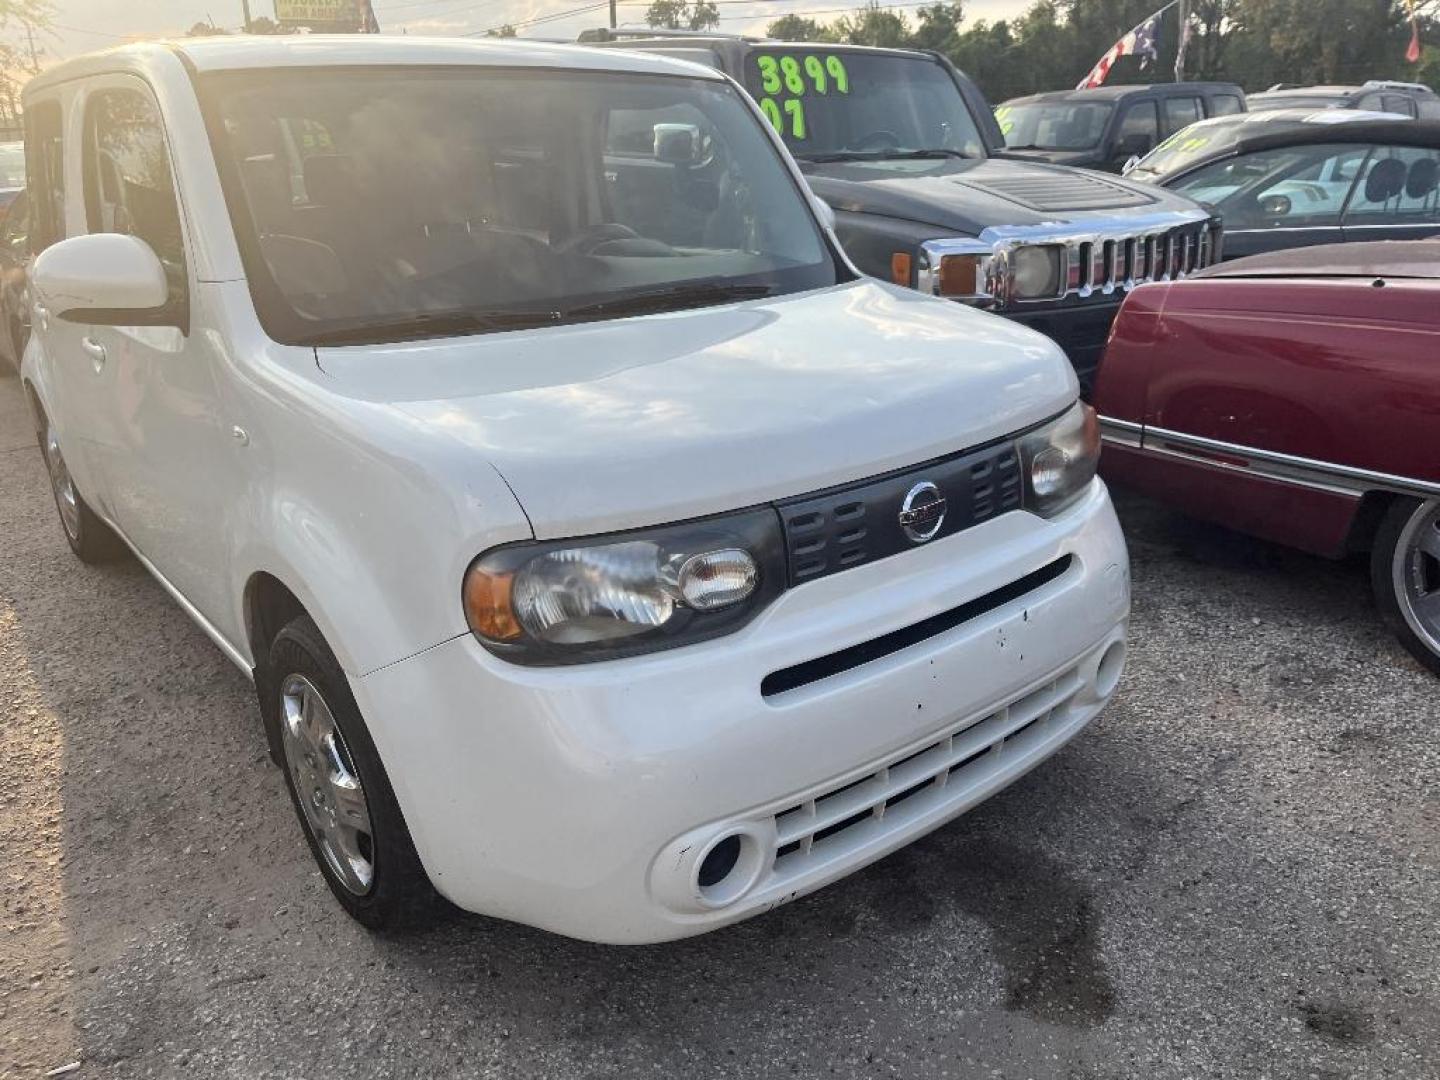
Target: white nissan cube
608 555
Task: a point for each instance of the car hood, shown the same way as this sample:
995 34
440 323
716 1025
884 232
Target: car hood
965 196
1072 158
640 421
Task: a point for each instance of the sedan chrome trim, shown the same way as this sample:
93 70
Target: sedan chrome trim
1121 432
1270 464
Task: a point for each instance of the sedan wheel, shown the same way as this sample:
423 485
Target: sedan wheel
66 501
327 785
1405 570
1417 574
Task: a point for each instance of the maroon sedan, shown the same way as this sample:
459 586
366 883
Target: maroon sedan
1295 396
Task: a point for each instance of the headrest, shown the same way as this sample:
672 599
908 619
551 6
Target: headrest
1386 180
1424 172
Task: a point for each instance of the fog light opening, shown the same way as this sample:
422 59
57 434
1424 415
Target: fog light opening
728 869
1107 675
719 861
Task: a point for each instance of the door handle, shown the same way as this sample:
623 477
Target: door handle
95 351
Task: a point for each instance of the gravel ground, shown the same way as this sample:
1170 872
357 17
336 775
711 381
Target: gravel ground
1233 873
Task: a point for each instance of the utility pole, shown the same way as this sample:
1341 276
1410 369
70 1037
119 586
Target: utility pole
612 14
1182 40
34 56
245 7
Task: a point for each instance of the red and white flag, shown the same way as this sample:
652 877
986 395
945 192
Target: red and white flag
1414 52
1138 42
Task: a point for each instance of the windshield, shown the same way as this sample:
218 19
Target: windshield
1054 125
1187 147
12 165
393 203
846 103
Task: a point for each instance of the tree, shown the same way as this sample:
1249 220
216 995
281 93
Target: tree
874 25
797 28
264 25
939 27
505 31
682 15
22 22
205 29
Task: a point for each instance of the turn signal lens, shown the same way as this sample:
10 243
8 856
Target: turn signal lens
488 607
900 266
960 275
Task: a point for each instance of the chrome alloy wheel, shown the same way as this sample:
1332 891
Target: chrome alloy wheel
327 786
1416 572
64 488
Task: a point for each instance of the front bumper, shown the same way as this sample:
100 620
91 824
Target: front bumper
1080 328
583 800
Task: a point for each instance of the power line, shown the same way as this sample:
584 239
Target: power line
539 19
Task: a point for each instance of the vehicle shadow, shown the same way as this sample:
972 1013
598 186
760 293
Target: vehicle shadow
1021 936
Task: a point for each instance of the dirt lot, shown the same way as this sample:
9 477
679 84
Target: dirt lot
1234 872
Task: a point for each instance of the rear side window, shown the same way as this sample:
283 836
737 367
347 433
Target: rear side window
1225 105
45 166
1181 112
128 183
1401 186
1398 103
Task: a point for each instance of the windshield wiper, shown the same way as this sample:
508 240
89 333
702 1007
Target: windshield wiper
921 155
672 298
429 324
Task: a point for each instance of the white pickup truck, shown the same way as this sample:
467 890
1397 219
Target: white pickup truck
605 550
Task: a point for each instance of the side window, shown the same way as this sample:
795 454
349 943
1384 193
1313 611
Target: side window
1298 187
1181 112
45 165
1140 128
1225 105
1398 103
128 183
1399 187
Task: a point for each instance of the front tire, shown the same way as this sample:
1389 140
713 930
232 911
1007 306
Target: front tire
1405 574
342 796
89 538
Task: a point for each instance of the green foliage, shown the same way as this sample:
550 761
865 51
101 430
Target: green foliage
505 31
682 15
1055 42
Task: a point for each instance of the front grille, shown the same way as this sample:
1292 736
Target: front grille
859 523
1106 265
943 770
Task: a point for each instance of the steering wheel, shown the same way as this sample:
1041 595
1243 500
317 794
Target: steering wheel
879 140
585 242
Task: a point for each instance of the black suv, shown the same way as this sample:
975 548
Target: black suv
1105 127
1377 95
902 146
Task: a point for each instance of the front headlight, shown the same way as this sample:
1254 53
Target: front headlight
567 602
1035 272
1059 460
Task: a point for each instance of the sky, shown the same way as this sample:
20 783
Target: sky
85 25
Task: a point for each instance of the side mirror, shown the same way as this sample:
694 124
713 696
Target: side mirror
1130 163
1136 145
103 279
677 144
1275 206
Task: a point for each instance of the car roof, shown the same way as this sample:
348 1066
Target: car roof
700 38
1370 259
249 52
1114 93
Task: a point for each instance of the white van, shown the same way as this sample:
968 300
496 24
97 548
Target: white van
606 552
